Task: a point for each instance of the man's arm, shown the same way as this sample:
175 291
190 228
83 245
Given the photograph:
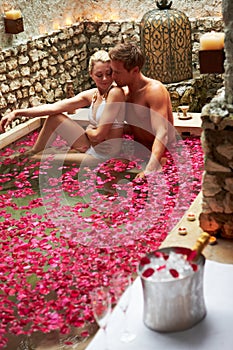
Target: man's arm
158 100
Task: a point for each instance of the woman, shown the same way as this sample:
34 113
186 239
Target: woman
102 138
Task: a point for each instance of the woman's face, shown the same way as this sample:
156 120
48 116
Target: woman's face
102 75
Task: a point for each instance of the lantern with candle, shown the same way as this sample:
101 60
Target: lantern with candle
166 43
211 54
13 22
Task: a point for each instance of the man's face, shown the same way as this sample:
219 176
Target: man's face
120 75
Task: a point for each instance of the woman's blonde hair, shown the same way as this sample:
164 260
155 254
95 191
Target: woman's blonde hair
101 56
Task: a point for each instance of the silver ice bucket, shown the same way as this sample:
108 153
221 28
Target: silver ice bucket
177 304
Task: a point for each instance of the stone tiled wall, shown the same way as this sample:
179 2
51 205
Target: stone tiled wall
217 140
217 187
39 15
37 71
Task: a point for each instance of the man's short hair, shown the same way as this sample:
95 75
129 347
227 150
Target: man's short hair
128 53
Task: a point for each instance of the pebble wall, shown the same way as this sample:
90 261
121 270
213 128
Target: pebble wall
37 71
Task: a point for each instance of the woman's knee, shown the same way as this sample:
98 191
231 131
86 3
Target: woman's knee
54 120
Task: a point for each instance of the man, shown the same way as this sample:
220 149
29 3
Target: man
149 109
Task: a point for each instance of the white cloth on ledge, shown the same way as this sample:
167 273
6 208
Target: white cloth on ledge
214 332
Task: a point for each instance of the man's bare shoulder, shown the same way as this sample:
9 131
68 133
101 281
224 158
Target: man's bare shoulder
153 84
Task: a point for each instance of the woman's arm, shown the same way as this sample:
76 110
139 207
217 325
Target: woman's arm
113 110
83 99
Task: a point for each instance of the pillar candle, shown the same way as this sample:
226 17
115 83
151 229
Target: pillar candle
212 41
13 14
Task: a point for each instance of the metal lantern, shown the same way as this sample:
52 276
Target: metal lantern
166 42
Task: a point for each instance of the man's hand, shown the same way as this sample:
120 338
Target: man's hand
140 175
159 167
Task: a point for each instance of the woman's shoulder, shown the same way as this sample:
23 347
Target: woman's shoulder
116 91
86 95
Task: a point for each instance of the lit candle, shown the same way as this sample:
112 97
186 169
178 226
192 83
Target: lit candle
56 25
182 231
13 14
191 217
42 29
97 17
68 21
212 41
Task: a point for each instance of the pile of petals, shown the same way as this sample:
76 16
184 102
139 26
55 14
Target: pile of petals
64 237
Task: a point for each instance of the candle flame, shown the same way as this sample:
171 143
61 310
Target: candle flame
56 25
97 17
42 29
68 21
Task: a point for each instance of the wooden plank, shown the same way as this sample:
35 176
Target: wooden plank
191 126
19 131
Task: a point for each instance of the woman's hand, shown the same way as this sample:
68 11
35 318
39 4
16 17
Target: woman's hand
6 121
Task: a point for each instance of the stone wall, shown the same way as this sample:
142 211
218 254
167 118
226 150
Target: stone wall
37 71
217 139
217 187
42 15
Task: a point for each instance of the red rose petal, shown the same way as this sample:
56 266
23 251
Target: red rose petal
161 267
144 261
174 273
148 272
194 267
161 255
192 255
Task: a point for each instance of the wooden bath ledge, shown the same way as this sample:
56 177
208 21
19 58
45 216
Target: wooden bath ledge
222 251
190 126
19 131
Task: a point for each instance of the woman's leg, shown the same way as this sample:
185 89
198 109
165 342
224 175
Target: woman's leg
69 158
68 129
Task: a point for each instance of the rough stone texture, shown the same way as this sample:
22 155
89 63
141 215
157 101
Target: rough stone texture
37 71
44 15
195 92
217 207
228 20
217 186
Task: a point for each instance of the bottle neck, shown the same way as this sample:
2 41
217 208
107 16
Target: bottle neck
200 244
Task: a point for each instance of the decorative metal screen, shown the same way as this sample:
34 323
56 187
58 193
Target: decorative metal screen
166 42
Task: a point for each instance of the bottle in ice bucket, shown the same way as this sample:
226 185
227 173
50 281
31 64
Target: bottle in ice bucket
200 244
172 282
